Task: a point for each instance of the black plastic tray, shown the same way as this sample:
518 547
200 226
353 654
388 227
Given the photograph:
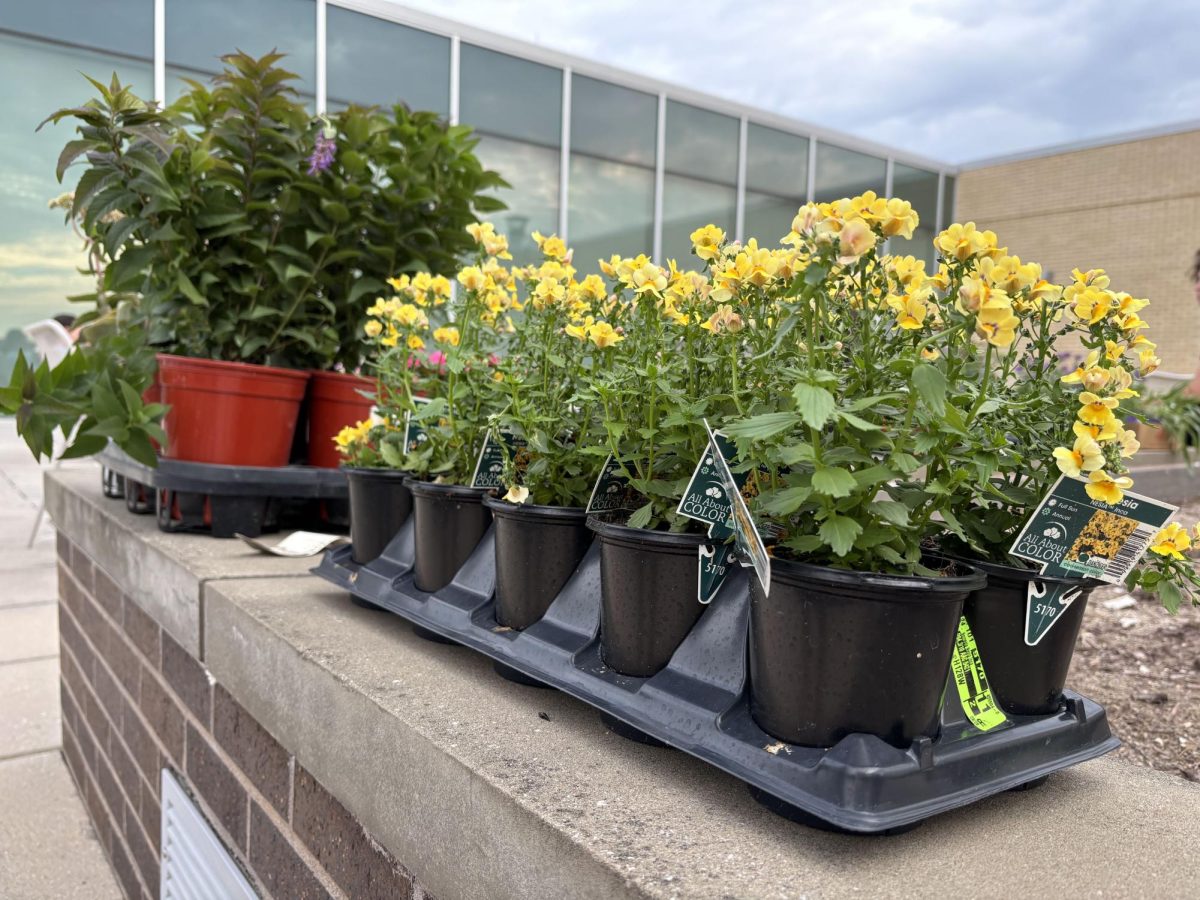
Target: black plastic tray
699 702
227 500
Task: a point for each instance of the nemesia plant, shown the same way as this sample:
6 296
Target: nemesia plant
358 445
558 341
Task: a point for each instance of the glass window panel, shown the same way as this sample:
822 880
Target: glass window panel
776 162
510 97
121 26
948 211
847 173
373 61
198 34
688 204
701 143
613 122
919 187
769 218
38 253
612 211
533 198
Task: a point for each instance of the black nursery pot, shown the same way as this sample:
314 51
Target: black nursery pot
449 521
1025 680
380 503
835 652
538 548
648 600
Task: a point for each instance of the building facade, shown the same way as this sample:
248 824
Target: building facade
1129 204
613 162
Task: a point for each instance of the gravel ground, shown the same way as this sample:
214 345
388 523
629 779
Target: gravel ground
1143 666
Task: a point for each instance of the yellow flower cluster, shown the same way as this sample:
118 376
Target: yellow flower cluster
351 435
1173 540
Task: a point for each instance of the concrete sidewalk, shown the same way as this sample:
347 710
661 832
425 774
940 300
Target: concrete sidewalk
47 846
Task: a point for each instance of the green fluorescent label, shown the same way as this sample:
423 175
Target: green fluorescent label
973 691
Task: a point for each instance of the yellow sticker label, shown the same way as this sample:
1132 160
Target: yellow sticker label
973 690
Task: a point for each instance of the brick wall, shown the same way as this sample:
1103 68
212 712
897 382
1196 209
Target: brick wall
134 701
1132 208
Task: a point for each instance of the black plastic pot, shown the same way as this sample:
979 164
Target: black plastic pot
834 652
449 520
1025 680
538 548
380 503
648 600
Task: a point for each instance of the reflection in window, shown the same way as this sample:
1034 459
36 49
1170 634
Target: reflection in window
38 253
700 181
198 34
847 173
373 61
611 205
919 188
124 26
533 198
948 211
776 182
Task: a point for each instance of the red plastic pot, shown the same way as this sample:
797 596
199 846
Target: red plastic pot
228 413
334 401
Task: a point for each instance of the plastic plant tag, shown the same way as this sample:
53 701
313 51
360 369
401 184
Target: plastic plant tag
611 490
974 693
490 466
750 548
713 566
1072 535
706 500
296 545
414 434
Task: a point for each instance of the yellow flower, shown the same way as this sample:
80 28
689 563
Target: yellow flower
579 331
706 241
609 267
910 310
1085 456
1171 541
1092 305
1132 322
408 316
1130 445
648 278
603 335
415 343
446 335
898 218
962 242
1097 410
1099 433
997 325
518 493
724 320
1113 351
1107 489
1147 362
855 239
373 328
909 270
472 278
440 285
930 353
552 246
592 288
392 336
1122 383
399 284
1089 373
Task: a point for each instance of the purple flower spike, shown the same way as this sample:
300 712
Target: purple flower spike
322 155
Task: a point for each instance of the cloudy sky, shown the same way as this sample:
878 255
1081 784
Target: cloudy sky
956 81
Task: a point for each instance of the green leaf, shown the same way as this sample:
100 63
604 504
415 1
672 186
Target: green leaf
833 482
189 290
931 385
855 422
839 533
815 404
762 426
641 517
890 511
786 501
1170 596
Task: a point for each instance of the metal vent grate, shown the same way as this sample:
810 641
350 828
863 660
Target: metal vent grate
195 865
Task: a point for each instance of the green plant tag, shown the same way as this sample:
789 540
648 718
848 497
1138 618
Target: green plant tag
611 492
705 500
974 693
414 434
714 563
490 466
750 548
1070 535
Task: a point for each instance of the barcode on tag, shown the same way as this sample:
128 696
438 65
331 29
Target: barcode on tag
1128 554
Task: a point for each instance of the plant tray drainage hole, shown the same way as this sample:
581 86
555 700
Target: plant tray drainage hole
366 604
517 676
431 636
627 731
799 816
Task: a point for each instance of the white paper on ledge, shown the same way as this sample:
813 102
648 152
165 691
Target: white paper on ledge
297 544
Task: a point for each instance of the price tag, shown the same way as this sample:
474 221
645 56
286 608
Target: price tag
750 548
489 468
1072 535
611 492
974 693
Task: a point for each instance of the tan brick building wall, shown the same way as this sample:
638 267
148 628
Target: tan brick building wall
1131 208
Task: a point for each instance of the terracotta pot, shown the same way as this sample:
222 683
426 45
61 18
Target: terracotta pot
334 401
228 413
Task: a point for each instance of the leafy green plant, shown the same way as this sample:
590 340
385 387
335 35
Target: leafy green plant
1176 412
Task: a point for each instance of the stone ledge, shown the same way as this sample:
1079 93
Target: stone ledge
161 572
460 772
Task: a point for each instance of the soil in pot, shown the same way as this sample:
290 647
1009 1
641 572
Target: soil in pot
1024 680
449 520
227 413
835 652
538 548
380 503
648 600
335 400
